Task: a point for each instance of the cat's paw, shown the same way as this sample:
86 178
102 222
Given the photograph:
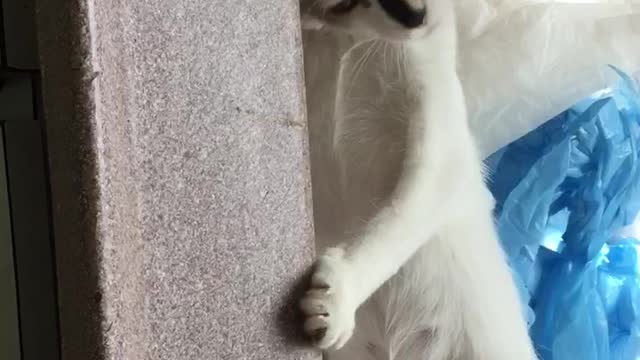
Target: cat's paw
329 305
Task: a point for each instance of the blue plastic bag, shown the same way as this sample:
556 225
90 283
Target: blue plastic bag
562 192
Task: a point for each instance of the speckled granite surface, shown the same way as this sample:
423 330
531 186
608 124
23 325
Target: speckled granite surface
179 174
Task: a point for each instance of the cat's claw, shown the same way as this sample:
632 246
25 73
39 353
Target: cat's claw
328 305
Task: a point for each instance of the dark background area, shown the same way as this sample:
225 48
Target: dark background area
28 314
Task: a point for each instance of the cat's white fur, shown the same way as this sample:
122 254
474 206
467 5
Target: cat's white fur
410 265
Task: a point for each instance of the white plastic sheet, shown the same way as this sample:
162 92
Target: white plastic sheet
632 231
524 61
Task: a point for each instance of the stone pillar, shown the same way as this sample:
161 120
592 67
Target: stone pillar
180 182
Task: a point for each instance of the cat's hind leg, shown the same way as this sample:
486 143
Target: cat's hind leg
493 317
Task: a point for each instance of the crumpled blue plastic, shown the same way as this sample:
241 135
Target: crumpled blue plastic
562 193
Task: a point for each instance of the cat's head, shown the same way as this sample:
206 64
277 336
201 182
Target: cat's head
384 19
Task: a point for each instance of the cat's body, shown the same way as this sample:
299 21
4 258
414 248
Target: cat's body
403 218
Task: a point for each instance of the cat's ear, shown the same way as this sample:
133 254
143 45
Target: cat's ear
309 10
310 22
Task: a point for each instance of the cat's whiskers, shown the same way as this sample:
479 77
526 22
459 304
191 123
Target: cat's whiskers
357 68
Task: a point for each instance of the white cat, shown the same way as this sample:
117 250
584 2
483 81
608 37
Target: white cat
411 267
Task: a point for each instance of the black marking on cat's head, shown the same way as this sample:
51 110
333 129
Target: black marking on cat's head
404 13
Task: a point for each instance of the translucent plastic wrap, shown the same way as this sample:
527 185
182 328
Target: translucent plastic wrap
524 61
564 191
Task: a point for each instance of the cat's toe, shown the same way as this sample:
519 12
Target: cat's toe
316 327
326 324
314 304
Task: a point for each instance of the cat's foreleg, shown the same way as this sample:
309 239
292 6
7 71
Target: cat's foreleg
439 164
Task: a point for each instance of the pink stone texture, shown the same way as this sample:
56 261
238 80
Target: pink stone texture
180 188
